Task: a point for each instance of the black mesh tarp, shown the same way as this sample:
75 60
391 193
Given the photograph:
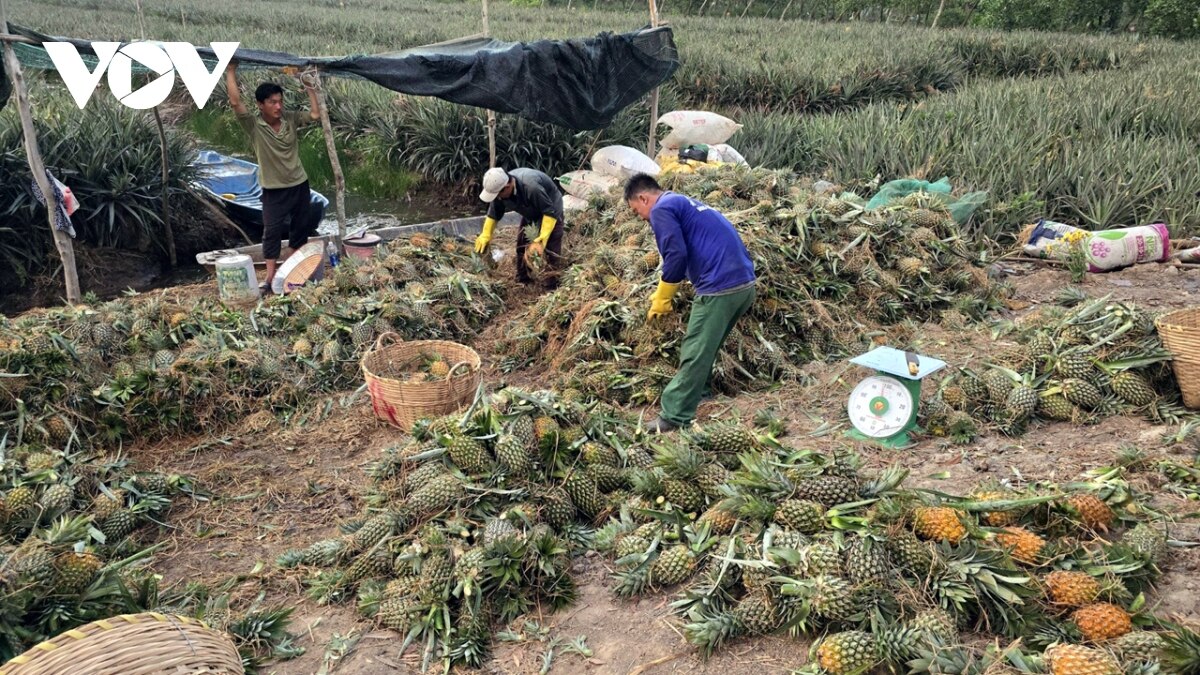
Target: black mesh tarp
579 84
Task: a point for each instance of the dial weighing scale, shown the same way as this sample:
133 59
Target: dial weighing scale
883 406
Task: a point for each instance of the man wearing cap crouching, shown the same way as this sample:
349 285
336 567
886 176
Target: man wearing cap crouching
537 198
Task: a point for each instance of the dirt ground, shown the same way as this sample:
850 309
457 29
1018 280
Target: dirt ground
283 488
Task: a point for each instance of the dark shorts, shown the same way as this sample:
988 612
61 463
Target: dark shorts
288 210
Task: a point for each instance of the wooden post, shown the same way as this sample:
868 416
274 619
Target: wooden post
339 180
653 94
62 241
491 114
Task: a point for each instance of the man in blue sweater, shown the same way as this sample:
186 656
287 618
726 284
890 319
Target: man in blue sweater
699 244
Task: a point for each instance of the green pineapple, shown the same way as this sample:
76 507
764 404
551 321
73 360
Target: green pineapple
104 505
437 495
324 553
803 516
758 613
103 335
819 558
437 571
710 478
833 598
975 390
673 565
685 495
955 397
374 530
1056 407
511 453
866 562
848 653
1082 393
20 501
638 457
76 570
33 562
998 386
557 507
631 544
370 565
468 454
608 479
1147 540
499 530
547 433
119 525
909 552
1138 647
1041 345
362 334
936 623
584 493
522 429
56 499
40 461
1076 366
727 439
154 484
1133 388
910 268
596 453
423 474
827 490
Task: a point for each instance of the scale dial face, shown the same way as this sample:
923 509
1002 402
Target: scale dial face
880 406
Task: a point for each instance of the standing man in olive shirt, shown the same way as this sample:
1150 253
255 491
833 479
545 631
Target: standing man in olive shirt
286 200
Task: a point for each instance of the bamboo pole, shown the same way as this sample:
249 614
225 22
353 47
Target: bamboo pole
653 94
339 179
941 6
62 241
491 114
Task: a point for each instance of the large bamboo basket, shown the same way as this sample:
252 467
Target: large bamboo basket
131 644
401 403
1180 332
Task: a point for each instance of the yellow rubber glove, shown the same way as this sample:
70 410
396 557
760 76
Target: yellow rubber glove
660 302
485 237
538 246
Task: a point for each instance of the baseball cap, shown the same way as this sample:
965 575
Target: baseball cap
493 182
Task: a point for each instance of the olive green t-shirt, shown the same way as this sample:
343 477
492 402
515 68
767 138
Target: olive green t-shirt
278 153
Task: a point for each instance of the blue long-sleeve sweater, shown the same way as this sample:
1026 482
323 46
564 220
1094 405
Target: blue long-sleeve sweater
699 244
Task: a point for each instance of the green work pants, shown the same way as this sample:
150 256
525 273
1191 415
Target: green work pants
711 321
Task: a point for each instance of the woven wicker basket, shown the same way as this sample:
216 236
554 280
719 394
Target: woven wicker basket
131 644
1180 332
401 403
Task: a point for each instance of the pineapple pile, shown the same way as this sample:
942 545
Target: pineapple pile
475 521
1098 359
828 273
68 533
149 367
768 539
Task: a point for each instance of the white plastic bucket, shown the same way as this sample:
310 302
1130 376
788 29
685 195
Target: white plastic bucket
236 281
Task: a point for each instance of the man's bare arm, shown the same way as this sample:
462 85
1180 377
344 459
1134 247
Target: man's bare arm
235 96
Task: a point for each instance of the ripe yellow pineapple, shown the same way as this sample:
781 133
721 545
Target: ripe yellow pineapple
1102 621
996 518
939 523
1071 589
1080 660
1023 545
1091 511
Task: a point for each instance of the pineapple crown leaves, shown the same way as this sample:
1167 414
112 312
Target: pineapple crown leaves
680 460
994 585
1182 647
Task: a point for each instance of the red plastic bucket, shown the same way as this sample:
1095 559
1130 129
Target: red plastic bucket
363 246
